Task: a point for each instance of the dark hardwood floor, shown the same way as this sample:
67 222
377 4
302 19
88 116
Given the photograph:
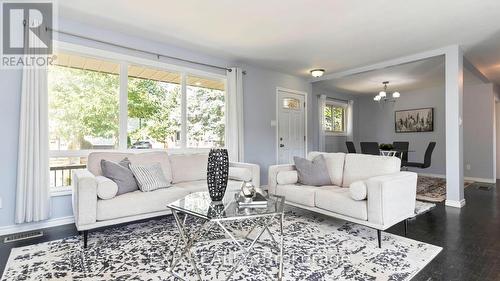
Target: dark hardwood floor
470 237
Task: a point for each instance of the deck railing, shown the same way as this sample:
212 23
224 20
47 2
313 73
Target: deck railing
61 175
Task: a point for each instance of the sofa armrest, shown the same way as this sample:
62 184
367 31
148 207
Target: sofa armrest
391 198
84 197
254 169
273 175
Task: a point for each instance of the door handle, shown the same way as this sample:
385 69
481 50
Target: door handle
282 145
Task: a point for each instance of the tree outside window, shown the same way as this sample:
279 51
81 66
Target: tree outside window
335 121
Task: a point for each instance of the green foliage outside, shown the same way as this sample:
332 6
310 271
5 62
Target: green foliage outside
82 103
334 118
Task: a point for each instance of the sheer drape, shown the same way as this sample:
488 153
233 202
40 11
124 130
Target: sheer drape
234 116
32 193
321 110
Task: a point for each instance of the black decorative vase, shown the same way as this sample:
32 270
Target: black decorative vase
217 173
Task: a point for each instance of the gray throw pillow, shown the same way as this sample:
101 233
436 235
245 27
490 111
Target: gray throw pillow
149 176
120 174
313 172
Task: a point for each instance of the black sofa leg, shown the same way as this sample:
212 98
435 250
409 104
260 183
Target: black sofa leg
85 238
406 226
379 237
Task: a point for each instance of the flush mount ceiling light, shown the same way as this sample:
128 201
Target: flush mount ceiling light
382 95
317 72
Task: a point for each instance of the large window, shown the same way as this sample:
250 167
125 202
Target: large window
335 118
154 108
83 103
92 107
205 112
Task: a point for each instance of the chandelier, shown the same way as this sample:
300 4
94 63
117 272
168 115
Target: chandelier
382 95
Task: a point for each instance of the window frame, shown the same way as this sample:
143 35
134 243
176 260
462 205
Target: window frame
345 107
124 60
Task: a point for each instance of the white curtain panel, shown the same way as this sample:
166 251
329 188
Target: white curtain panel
321 116
32 194
234 116
350 120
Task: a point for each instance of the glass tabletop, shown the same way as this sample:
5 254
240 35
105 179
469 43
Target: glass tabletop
200 205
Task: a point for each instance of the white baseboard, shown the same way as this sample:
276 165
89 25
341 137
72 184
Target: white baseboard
16 228
485 180
455 204
480 180
432 175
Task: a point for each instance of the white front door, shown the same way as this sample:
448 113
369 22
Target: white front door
291 126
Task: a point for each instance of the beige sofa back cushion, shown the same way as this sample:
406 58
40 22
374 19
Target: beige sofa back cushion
188 167
94 160
335 164
363 166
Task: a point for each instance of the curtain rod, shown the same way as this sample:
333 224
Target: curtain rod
138 50
336 99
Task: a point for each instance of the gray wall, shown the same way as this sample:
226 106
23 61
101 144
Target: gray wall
479 131
259 109
376 123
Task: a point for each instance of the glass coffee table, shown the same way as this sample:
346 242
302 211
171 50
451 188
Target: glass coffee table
199 206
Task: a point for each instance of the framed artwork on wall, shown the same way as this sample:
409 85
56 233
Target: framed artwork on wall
414 120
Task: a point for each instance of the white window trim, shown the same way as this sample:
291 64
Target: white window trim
124 61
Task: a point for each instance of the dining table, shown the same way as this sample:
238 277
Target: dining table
395 152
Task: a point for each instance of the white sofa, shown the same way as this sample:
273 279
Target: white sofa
186 172
384 195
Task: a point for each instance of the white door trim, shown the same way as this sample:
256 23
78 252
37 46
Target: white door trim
306 107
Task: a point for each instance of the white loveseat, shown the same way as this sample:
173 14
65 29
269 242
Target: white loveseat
186 172
366 189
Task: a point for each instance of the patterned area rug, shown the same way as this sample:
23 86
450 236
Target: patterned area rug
316 248
433 189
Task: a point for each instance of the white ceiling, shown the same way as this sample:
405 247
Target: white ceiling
294 36
403 78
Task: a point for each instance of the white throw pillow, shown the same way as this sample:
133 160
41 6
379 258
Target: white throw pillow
149 177
240 174
358 190
106 188
287 177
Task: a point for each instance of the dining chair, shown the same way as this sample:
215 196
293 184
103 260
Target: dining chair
402 147
350 147
427 158
370 148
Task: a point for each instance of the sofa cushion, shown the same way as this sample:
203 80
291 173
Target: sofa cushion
287 177
138 202
188 167
357 190
149 177
338 200
335 164
300 194
201 185
120 174
312 172
106 188
241 174
161 157
362 166
94 160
